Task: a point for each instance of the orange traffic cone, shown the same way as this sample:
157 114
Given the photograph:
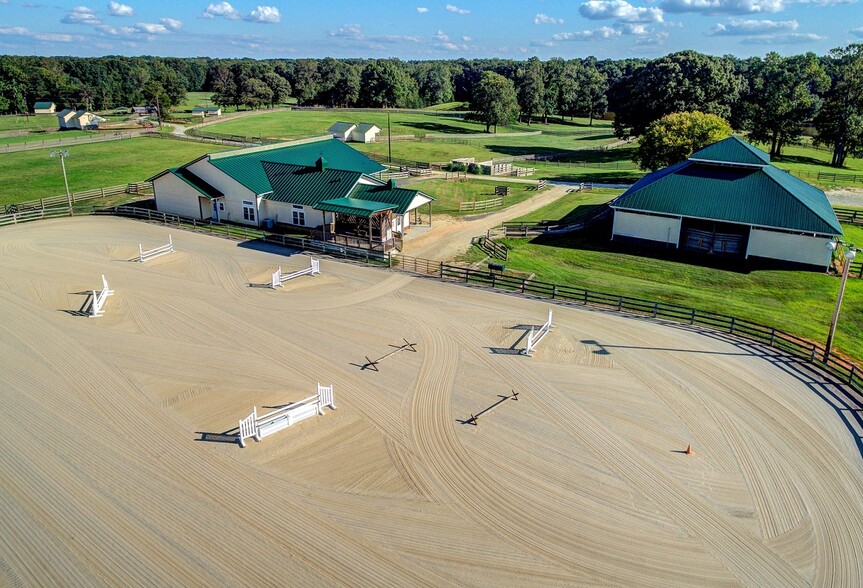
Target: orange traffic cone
688 450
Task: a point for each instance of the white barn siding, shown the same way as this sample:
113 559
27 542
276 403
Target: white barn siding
664 229
175 196
283 212
235 193
789 247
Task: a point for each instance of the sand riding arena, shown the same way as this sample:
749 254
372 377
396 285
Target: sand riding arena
456 462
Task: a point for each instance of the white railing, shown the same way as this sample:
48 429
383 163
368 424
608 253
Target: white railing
535 336
258 427
99 299
279 278
147 255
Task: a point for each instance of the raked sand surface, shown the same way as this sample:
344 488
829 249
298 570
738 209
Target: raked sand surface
118 465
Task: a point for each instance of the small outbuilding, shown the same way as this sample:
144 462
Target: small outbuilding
728 200
80 119
205 111
342 130
44 108
365 133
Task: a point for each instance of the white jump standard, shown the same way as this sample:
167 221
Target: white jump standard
279 278
152 253
99 299
534 337
258 427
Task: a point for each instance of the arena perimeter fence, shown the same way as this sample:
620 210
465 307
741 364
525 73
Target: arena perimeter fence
786 342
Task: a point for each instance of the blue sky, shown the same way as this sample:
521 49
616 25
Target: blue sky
427 30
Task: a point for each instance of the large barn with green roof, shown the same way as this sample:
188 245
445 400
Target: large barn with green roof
728 200
318 183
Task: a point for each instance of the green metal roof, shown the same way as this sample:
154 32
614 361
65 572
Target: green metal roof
762 196
307 186
732 150
401 198
361 208
200 185
341 127
43 104
245 165
365 127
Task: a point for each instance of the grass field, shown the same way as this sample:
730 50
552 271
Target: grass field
573 204
94 165
450 193
19 122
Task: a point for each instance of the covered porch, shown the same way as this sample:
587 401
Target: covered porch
358 223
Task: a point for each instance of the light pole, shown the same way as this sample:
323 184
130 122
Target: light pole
63 155
850 254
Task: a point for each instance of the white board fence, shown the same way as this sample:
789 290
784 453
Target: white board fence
99 299
279 278
258 427
148 255
535 336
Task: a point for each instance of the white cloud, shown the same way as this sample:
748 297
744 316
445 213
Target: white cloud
858 32
754 27
55 38
223 9
151 28
619 10
452 47
265 14
600 33
117 9
81 15
653 40
14 31
456 9
348 31
789 39
422 9
723 6
171 24
466 39
541 18
542 44
635 29
441 36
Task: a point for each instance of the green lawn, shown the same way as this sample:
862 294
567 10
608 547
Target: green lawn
94 165
449 193
19 122
796 301
573 204
42 138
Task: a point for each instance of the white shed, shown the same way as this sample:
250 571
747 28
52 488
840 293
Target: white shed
365 133
342 130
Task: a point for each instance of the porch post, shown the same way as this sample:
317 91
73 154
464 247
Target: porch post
370 231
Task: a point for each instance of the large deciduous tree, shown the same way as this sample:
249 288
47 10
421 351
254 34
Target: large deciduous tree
840 119
435 83
494 101
384 84
339 83
592 89
783 94
679 82
676 136
531 89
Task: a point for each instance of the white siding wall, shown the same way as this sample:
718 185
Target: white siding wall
644 226
283 212
175 196
235 193
796 248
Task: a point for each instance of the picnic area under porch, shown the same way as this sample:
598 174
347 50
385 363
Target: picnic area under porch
359 223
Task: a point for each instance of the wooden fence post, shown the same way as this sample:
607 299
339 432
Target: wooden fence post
732 325
772 336
692 317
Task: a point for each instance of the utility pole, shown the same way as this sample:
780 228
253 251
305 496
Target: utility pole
63 155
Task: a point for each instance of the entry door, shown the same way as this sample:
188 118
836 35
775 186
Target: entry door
216 210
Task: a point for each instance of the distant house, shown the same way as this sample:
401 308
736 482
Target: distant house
319 183
205 111
342 130
145 110
44 108
365 133
81 120
358 133
728 200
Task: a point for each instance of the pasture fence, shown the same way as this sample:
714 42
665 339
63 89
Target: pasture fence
490 247
142 188
475 205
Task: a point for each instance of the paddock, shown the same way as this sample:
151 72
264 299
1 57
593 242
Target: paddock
121 464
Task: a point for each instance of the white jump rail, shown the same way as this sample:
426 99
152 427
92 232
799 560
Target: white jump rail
258 427
148 255
99 299
535 336
279 278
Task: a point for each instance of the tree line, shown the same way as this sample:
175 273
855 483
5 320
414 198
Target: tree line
768 97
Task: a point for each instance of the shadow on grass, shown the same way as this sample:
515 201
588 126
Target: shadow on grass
442 127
